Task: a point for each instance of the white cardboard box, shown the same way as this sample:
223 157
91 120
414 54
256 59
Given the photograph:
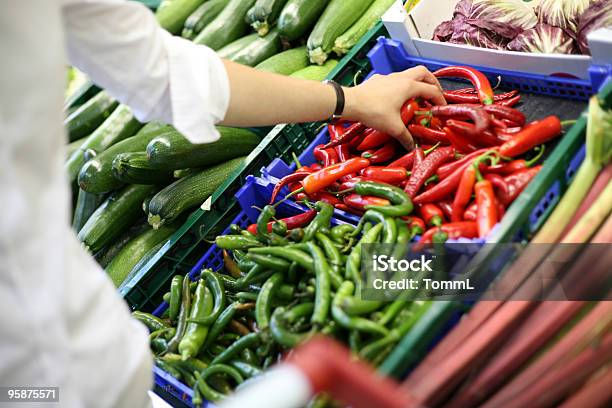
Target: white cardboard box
416 29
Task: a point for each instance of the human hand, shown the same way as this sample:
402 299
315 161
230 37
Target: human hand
377 102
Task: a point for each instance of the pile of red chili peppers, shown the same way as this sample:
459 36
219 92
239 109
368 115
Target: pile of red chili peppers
463 175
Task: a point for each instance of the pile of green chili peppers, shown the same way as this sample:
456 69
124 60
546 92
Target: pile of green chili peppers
278 288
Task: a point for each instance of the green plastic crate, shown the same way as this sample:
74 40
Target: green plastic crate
192 239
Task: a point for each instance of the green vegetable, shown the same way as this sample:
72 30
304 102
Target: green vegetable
201 17
189 192
171 14
89 116
135 168
115 215
282 318
195 334
85 206
263 307
299 16
96 175
353 323
367 21
260 49
228 26
215 285
232 48
107 255
316 72
323 285
286 62
172 151
153 323
74 146
174 302
336 19
263 15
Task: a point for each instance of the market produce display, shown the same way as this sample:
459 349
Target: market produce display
554 26
466 172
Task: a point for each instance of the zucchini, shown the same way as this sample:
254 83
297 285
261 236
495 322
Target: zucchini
201 17
117 213
172 151
105 256
346 41
189 192
134 168
263 15
316 72
232 48
183 172
86 204
73 146
298 17
259 50
172 14
79 96
96 175
285 63
89 116
133 251
336 19
143 261
118 126
228 26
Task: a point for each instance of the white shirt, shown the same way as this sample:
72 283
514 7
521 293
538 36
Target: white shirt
62 323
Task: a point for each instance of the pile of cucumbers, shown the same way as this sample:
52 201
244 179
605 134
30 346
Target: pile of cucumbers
280 36
135 182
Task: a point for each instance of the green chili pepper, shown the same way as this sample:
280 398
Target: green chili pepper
285 292
229 283
195 334
228 338
323 285
356 306
159 345
256 274
296 234
245 264
247 341
270 262
207 391
191 364
236 242
279 228
354 341
264 300
246 296
166 297
389 226
292 273
340 232
235 229
353 323
182 317
290 254
403 239
277 240
334 256
153 323
281 318
215 285
245 369
264 218
393 309
168 368
402 205
250 357
353 262
217 327
320 221
175 297
231 266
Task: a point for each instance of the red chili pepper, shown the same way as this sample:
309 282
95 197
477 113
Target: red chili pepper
383 154
359 202
477 78
390 175
405 161
453 230
510 101
460 143
444 188
374 139
427 135
467 130
498 182
408 110
357 140
416 224
475 113
497 123
447 208
468 95
325 197
325 177
432 214
350 184
487 216
447 169
516 183
427 169
349 134
301 197
297 221
464 193
506 113
470 213
315 167
531 136
515 165
501 210
288 179
325 156
346 208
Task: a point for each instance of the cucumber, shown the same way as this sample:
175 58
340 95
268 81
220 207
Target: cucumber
189 192
336 19
132 253
117 213
105 256
263 15
86 204
316 72
118 126
346 41
201 17
172 14
298 17
285 63
232 48
228 26
172 151
89 116
259 50
134 168
96 175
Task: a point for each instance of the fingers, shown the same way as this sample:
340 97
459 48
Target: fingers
405 138
422 74
429 92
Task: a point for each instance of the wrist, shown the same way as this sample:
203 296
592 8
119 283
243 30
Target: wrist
352 110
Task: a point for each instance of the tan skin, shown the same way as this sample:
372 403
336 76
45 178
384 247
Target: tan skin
261 98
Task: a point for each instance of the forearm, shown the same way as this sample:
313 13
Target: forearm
261 98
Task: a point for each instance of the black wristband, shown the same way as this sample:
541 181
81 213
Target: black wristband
339 100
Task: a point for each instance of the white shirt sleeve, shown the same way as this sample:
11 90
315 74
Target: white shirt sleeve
123 49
